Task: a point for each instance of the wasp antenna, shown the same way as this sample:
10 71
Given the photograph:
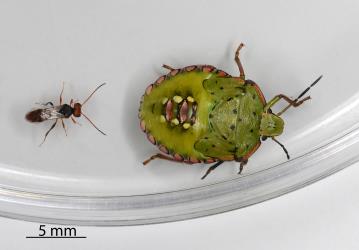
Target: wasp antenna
93 124
280 144
93 93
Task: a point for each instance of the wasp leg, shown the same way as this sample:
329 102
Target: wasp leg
158 156
48 104
45 104
74 121
211 168
167 67
63 125
238 61
62 91
52 127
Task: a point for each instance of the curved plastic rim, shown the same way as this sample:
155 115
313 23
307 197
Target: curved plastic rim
184 204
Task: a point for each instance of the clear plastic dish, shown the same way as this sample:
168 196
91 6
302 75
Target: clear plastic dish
90 179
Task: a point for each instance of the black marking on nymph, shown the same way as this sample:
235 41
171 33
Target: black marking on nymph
251 130
234 150
221 88
254 96
225 138
254 113
212 93
213 146
234 111
210 125
229 99
232 127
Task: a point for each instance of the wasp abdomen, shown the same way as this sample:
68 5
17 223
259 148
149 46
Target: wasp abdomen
35 116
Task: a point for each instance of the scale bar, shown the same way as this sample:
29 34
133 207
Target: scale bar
56 237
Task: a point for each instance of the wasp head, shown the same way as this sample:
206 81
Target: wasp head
77 109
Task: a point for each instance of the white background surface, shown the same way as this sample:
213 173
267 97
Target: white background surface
88 42
321 216
124 43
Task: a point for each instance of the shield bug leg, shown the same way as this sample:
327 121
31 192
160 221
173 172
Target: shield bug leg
238 61
294 103
241 166
211 168
47 133
158 156
167 67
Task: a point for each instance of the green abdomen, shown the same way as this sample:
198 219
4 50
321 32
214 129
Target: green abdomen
175 109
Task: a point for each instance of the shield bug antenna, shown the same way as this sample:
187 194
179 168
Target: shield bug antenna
271 124
296 102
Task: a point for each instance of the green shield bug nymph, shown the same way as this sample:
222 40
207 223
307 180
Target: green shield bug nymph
202 114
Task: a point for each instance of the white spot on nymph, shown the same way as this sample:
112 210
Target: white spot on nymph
177 98
190 99
175 121
186 125
162 118
164 100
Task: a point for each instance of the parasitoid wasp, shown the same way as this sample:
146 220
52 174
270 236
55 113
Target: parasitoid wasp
63 111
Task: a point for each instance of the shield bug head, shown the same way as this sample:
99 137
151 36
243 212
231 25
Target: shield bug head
271 125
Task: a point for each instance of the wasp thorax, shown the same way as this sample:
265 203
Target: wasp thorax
179 111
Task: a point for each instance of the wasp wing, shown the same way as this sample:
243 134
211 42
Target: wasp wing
40 115
52 113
